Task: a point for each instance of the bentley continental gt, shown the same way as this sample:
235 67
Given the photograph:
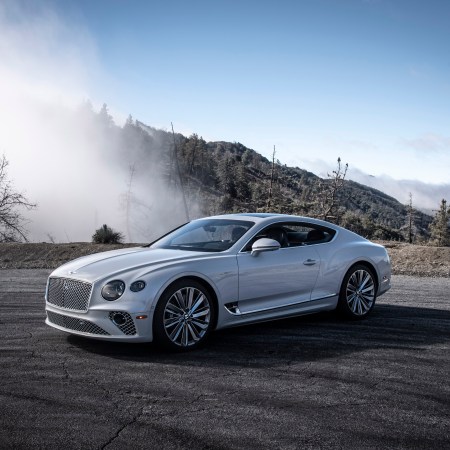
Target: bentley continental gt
217 272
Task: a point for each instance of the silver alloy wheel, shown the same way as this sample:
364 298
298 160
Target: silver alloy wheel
186 316
360 292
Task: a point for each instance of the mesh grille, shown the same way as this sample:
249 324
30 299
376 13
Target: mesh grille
72 323
127 327
69 294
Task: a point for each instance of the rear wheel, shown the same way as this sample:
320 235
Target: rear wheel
358 292
184 316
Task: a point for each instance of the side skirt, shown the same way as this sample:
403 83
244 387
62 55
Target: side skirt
278 312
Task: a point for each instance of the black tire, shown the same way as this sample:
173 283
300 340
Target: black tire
184 316
358 292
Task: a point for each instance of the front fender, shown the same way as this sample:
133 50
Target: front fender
221 274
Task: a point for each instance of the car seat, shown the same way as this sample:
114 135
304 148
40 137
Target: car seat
278 234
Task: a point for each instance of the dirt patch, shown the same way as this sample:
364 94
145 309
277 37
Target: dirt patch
407 259
48 256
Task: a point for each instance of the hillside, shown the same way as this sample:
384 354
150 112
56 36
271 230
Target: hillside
406 259
171 178
223 177
241 180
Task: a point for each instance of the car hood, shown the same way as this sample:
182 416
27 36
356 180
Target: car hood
108 264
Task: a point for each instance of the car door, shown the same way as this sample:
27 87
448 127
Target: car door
278 278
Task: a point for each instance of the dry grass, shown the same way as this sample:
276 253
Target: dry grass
419 260
406 259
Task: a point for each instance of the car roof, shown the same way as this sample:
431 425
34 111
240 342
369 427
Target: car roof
268 218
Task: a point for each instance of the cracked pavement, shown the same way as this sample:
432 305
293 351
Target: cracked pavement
308 382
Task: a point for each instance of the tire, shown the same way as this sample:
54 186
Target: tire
184 316
358 292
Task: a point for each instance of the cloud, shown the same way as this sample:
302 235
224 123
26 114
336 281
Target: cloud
425 196
429 142
41 55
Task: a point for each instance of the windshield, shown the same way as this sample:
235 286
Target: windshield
210 235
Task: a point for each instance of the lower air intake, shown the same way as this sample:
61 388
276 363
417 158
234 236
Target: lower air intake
72 323
123 321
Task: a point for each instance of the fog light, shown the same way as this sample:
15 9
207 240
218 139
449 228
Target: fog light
118 318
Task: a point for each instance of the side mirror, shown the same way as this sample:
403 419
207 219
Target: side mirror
264 245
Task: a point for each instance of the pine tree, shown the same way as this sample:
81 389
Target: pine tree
410 229
129 122
105 118
244 192
439 228
226 171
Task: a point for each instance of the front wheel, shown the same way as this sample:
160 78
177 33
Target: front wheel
183 316
358 292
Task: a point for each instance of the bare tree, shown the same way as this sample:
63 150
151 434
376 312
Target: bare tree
272 173
128 200
11 221
328 190
180 179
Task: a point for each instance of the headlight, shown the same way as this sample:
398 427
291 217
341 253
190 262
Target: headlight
113 290
137 286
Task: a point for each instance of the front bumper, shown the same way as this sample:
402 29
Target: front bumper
385 284
113 325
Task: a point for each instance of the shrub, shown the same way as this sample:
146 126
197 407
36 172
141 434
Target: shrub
106 235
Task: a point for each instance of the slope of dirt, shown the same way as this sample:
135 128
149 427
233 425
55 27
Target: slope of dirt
48 256
406 259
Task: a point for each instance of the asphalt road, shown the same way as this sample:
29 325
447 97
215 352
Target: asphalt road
309 382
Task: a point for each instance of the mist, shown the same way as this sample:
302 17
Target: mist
61 157
424 196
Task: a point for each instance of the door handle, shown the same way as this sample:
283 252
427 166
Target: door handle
309 262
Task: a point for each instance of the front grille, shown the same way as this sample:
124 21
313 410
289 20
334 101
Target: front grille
69 294
72 323
127 327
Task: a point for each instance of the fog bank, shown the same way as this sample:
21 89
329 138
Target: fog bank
64 156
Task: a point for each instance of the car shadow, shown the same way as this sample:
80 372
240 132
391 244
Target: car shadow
301 339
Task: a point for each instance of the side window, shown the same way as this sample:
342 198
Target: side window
308 234
293 234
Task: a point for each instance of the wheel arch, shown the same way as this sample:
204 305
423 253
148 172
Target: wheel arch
207 285
369 265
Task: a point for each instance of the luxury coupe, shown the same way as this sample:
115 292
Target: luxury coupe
217 272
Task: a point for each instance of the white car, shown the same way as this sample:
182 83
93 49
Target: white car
217 272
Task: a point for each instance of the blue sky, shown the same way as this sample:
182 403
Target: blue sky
366 80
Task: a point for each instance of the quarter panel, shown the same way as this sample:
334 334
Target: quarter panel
339 256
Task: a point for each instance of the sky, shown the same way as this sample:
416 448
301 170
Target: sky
364 80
